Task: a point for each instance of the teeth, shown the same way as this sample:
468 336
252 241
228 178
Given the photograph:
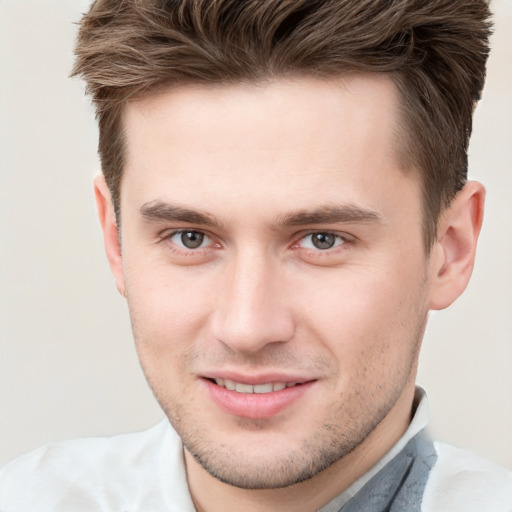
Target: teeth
244 388
263 388
248 388
229 384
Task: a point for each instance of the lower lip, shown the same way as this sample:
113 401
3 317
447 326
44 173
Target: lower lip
255 405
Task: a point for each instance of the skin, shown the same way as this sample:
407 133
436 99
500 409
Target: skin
258 300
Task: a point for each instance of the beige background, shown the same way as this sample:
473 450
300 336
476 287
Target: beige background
67 365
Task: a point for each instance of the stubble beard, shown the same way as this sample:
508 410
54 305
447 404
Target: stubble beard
346 427
315 455
332 440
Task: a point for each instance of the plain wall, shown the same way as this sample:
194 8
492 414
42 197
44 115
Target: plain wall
67 363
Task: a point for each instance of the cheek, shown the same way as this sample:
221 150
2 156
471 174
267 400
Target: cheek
369 315
168 306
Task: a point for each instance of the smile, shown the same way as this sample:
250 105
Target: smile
249 388
256 401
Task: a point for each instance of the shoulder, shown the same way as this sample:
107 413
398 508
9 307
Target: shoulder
462 481
90 474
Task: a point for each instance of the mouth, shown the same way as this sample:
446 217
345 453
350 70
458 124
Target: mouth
240 387
265 398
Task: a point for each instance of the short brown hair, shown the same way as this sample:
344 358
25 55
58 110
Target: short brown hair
435 51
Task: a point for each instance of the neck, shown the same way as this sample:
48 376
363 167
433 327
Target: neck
212 495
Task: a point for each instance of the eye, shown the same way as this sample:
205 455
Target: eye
321 240
189 239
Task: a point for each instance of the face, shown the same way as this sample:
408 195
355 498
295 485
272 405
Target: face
273 264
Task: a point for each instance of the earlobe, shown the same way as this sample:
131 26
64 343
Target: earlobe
111 237
453 254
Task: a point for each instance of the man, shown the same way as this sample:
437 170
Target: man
283 199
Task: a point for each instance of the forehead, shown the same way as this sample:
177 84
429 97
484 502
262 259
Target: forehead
295 136
290 108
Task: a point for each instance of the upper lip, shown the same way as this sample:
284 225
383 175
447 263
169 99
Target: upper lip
265 378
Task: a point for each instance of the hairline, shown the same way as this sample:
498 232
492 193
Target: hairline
406 157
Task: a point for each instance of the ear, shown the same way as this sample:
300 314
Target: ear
111 237
453 254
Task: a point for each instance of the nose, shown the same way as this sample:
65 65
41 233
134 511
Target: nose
253 308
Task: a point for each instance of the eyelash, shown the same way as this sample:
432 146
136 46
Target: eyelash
175 247
341 240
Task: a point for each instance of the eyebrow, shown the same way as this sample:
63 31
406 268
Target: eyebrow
330 214
158 211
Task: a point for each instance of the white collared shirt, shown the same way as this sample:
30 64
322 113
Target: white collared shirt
145 472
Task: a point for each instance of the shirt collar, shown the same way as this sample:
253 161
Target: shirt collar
418 423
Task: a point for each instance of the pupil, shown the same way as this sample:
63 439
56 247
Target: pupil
323 240
192 239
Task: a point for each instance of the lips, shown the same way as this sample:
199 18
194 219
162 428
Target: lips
262 398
